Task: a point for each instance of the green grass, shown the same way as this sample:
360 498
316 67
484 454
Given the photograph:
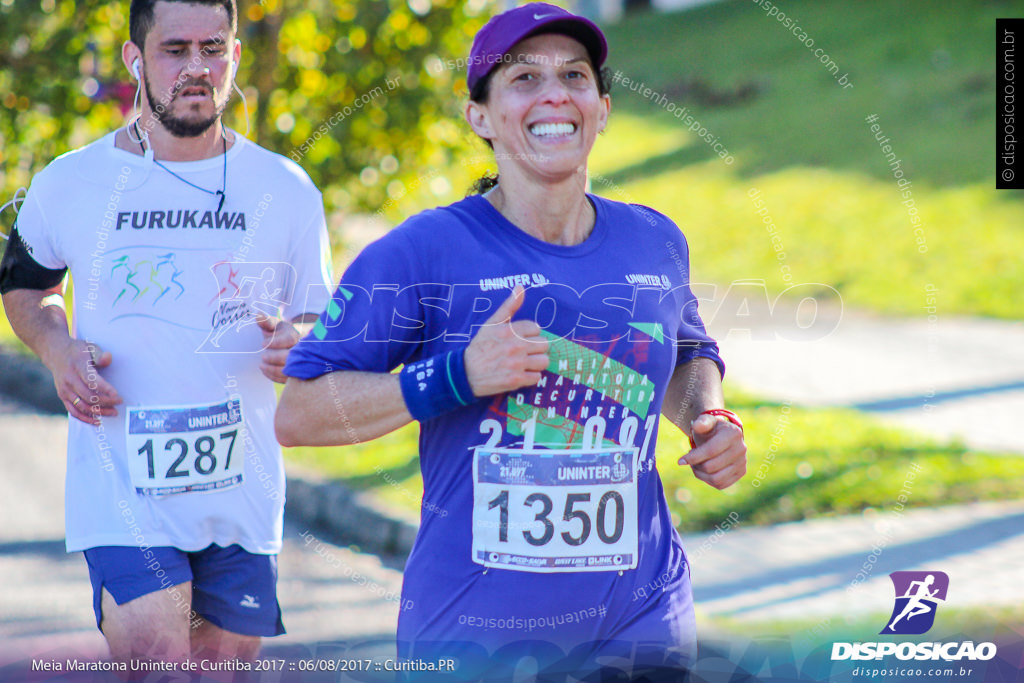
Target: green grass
930 80
825 462
7 336
804 143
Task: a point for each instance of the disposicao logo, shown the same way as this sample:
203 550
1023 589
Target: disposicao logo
918 595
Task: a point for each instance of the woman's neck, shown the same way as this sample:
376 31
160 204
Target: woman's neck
558 213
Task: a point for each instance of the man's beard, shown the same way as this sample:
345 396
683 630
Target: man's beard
180 127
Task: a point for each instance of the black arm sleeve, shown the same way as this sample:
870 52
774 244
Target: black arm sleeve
18 270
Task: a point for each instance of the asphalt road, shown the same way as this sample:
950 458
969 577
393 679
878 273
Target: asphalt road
943 376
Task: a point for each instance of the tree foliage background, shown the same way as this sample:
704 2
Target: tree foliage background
62 85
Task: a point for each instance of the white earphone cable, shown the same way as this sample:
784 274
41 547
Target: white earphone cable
16 201
245 104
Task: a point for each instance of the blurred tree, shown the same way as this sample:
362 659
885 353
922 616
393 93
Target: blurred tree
364 94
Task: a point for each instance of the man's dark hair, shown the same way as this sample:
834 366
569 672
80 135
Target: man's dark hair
140 16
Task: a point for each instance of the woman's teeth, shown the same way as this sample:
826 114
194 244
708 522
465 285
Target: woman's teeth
552 129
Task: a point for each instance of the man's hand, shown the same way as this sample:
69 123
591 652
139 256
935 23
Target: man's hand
720 457
85 394
504 355
279 336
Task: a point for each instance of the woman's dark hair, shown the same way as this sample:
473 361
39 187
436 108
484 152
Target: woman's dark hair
480 94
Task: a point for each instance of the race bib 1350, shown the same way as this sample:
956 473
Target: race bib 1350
555 510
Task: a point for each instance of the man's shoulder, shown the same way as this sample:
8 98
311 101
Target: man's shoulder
285 173
69 163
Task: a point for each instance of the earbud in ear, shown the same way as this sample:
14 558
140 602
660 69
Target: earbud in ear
234 69
135 69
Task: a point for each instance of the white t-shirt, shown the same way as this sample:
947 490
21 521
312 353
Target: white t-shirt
168 284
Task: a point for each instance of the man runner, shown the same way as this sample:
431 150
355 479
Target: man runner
192 251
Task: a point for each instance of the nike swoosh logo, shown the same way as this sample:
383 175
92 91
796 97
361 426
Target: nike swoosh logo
538 17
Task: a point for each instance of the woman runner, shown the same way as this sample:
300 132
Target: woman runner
545 532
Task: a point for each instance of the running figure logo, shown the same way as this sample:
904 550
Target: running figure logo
917 597
243 290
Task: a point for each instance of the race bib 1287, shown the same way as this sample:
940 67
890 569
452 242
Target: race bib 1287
184 449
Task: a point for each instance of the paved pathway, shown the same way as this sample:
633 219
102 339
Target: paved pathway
951 377
827 567
796 570
945 377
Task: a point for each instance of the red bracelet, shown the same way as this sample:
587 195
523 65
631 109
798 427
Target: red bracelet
727 414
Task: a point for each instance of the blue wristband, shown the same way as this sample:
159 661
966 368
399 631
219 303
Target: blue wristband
436 385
